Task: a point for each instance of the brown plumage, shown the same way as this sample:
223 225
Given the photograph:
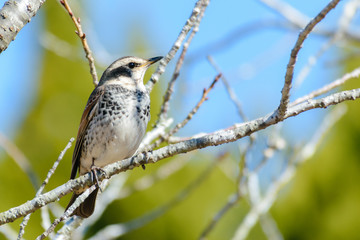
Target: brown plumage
113 123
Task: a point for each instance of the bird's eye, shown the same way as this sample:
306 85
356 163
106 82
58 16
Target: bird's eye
132 65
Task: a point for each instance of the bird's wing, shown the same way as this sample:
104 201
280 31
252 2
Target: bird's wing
88 114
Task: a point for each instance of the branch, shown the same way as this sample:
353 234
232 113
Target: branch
229 90
116 190
200 7
338 82
233 200
82 37
189 116
294 52
347 16
165 106
48 176
68 212
117 230
13 17
232 134
263 205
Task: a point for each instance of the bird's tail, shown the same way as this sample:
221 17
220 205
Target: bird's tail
87 207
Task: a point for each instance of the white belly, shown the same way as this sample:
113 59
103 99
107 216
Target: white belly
113 143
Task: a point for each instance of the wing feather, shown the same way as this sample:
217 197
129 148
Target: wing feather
88 114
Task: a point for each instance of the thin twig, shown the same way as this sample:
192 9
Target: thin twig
200 7
270 228
277 144
116 190
68 212
117 230
170 89
188 117
353 74
344 22
154 133
48 176
233 200
285 93
263 205
82 37
229 90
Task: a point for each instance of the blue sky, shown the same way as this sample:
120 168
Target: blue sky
254 65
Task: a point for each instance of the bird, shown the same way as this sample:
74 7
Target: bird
113 123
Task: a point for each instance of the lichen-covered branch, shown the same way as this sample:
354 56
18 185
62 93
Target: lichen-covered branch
231 134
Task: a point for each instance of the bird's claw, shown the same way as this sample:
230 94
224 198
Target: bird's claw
94 177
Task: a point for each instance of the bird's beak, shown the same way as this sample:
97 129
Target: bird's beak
152 61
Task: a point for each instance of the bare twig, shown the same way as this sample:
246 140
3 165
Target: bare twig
48 176
154 133
270 227
229 90
263 205
66 232
348 14
294 53
233 200
232 134
68 212
116 191
243 172
188 117
196 108
117 230
82 37
200 7
165 106
338 82
161 173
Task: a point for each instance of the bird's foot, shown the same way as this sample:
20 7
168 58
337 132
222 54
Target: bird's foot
146 157
94 177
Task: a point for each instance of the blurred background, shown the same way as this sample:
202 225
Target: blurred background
46 83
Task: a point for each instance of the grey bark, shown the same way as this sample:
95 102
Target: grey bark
231 134
14 15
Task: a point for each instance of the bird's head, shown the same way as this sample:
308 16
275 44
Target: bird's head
127 71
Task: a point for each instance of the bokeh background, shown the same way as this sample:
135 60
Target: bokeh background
46 83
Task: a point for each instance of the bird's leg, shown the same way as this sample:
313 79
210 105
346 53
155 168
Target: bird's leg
94 175
146 156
